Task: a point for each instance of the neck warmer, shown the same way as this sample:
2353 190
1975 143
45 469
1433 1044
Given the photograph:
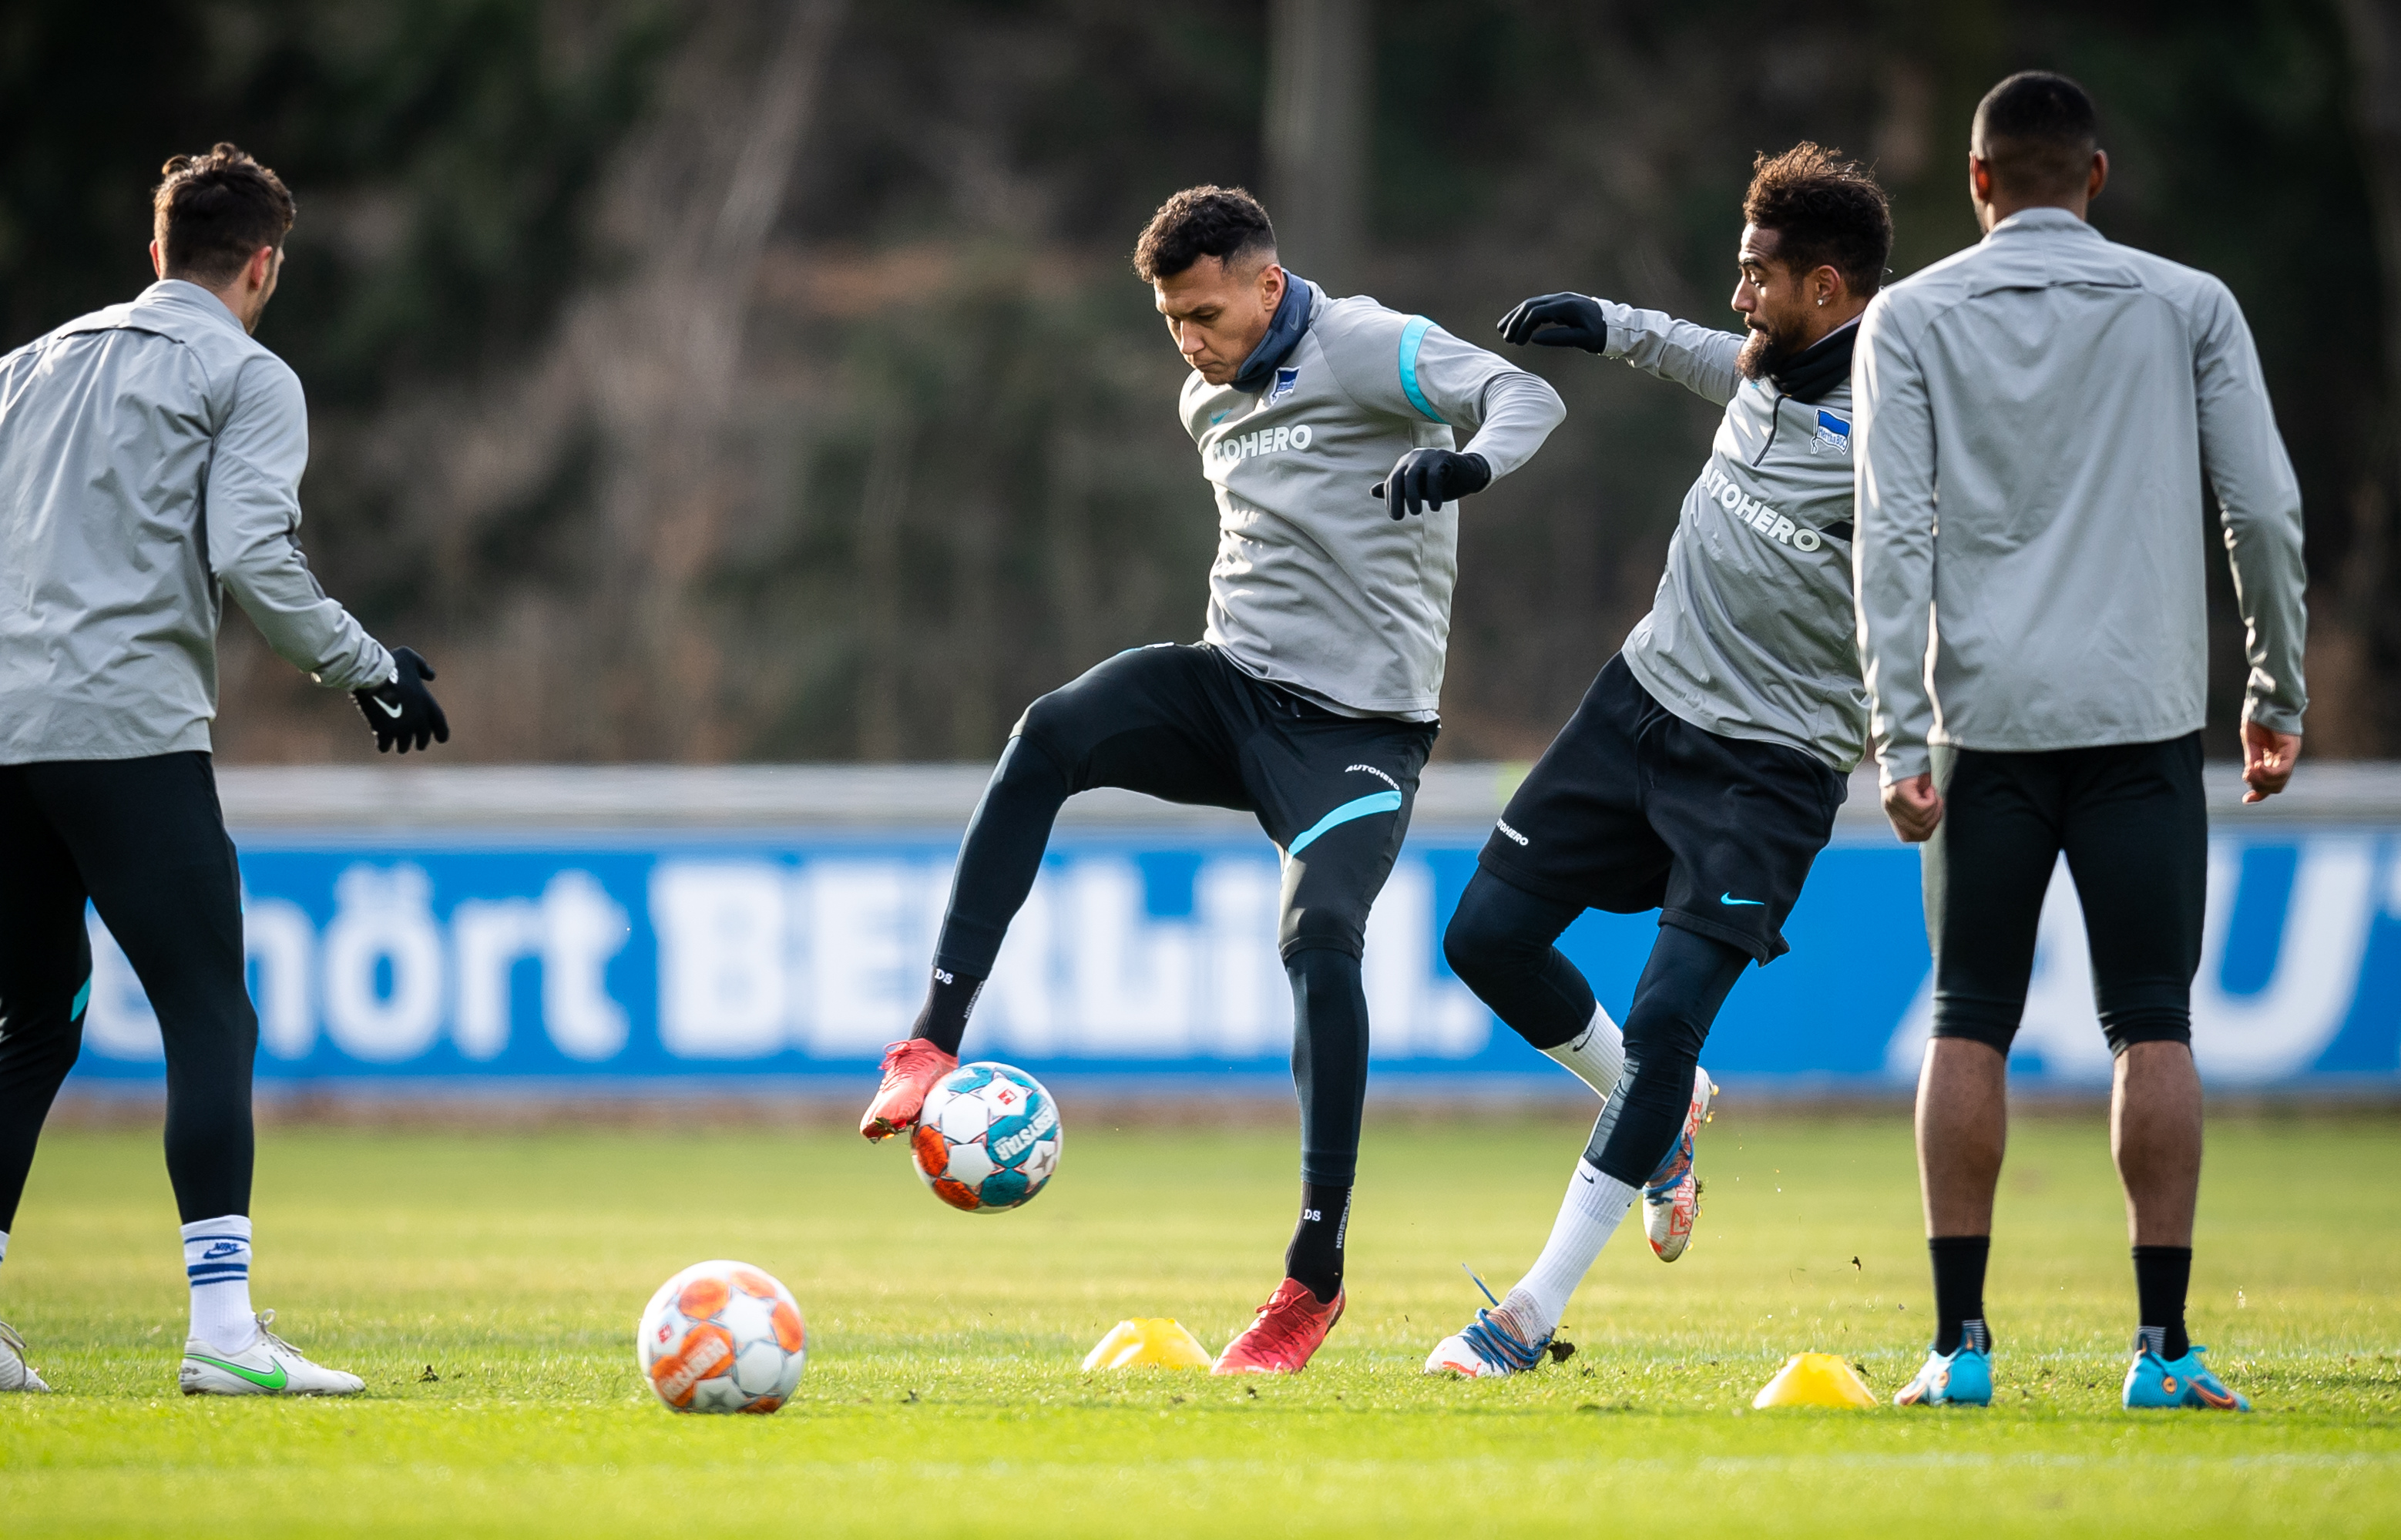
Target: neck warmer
1808 375
1283 335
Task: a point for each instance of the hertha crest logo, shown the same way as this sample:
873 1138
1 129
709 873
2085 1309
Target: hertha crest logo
1286 382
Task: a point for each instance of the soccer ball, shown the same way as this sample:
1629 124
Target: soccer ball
987 1139
723 1337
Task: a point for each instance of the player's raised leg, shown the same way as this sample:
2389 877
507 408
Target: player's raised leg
1500 944
1683 985
1148 720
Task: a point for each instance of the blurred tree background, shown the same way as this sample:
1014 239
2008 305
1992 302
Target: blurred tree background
764 380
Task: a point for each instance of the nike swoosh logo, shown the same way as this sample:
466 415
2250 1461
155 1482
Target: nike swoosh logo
388 709
275 1380
1730 899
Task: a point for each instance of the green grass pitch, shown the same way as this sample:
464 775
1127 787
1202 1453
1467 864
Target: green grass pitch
944 1395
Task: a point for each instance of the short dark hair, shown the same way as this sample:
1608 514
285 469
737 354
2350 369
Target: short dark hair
1826 212
212 212
1225 223
2037 131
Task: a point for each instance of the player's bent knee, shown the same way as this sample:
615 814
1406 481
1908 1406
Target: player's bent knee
1488 948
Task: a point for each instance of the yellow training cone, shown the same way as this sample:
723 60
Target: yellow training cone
1149 1341
1814 1380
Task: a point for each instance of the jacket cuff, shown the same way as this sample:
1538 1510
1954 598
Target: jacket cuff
1902 762
2275 718
1621 332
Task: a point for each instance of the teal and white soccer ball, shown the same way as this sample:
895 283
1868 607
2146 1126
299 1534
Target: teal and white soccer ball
723 1337
987 1139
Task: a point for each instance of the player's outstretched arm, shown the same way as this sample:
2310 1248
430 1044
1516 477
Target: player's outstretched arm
254 536
253 533
1701 358
1558 320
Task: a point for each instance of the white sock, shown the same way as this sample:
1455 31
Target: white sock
216 1259
1591 1212
4 1246
1598 1055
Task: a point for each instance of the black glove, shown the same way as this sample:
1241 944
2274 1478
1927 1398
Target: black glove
1432 477
404 711
1558 320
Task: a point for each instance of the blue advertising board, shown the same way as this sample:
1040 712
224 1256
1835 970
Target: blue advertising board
604 961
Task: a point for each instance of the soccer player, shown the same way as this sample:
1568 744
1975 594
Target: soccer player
1310 699
2038 664
1701 774
150 456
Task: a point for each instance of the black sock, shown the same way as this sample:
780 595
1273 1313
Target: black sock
1314 1258
2161 1275
1959 1292
948 1000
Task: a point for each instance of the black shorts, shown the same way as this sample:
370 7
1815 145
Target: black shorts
1633 808
1182 723
2130 821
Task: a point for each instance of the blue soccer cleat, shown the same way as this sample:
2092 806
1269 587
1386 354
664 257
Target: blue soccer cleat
1960 1379
2157 1384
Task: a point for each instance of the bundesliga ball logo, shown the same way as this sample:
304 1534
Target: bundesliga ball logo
987 1139
722 1336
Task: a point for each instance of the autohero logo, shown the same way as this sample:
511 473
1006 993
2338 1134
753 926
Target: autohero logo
1374 771
1765 518
1264 441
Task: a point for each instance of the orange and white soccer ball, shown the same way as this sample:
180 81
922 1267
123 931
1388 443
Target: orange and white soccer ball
723 1337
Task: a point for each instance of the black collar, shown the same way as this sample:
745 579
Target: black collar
1817 369
1284 330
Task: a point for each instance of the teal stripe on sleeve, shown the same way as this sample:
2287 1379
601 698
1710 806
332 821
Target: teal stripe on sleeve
1412 337
1382 801
82 998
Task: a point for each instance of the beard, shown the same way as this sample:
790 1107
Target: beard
1763 351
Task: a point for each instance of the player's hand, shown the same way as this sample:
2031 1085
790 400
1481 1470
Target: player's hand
1432 477
1558 320
1914 807
2267 760
401 710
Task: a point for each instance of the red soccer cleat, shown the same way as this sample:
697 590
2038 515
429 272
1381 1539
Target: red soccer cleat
909 1070
1281 1338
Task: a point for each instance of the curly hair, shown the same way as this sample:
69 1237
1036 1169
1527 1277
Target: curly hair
1826 212
211 212
1226 223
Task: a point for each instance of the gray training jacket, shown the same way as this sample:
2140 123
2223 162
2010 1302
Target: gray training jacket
150 453
1314 587
1751 633
2059 396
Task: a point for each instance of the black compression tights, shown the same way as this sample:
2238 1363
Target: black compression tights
1500 943
1682 987
1329 1061
143 839
997 866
